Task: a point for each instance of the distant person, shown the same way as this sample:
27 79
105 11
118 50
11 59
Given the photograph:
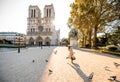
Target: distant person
118 45
71 53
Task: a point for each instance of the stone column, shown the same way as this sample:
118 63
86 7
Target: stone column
29 13
51 12
45 12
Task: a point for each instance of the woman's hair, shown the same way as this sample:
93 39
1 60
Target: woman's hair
69 47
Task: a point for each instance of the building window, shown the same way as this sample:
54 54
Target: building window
34 13
49 12
33 29
49 29
46 29
31 13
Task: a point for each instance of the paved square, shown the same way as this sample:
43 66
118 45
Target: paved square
87 61
18 67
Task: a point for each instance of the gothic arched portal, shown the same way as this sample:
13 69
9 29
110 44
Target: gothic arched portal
39 41
31 41
47 41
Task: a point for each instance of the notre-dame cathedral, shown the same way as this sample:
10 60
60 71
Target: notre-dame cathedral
41 30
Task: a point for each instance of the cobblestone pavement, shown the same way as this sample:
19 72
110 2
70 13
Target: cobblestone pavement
19 67
87 61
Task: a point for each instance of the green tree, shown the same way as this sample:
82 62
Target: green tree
64 41
114 37
73 32
93 15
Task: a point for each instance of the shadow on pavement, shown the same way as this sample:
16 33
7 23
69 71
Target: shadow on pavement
98 53
76 67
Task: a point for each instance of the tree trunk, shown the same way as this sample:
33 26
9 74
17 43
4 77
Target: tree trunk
89 39
95 37
106 36
83 42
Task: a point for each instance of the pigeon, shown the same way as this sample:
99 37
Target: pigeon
55 52
116 64
67 57
112 78
91 75
50 71
33 61
46 60
107 68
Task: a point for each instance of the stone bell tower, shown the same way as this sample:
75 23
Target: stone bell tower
33 20
49 16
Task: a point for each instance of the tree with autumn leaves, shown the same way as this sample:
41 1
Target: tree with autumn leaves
91 16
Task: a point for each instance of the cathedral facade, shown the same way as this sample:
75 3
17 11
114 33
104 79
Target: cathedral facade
41 30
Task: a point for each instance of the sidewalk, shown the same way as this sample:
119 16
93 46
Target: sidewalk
85 63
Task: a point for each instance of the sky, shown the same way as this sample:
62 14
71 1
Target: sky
14 13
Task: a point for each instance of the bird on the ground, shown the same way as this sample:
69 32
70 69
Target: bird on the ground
33 61
46 60
107 68
67 57
112 78
50 71
116 64
55 52
91 75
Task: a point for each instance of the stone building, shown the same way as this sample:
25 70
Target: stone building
12 38
41 30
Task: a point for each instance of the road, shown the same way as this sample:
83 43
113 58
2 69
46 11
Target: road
19 67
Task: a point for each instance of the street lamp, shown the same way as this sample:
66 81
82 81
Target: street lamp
19 38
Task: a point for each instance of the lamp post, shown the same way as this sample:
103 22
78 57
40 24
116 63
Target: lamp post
19 44
19 38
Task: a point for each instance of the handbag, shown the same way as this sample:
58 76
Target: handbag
73 57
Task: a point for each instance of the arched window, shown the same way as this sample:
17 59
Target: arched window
33 29
31 13
34 13
47 12
49 29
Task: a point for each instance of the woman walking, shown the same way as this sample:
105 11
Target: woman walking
71 53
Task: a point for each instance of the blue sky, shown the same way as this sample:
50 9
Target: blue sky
14 13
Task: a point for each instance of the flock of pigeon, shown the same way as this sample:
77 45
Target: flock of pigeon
112 78
50 71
